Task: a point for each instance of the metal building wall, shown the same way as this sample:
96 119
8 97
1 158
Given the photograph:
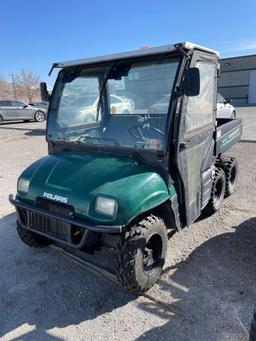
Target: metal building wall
238 79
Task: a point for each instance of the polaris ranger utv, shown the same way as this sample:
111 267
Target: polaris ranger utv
135 154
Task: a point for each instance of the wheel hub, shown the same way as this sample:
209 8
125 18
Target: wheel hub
152 253
148 259
39 116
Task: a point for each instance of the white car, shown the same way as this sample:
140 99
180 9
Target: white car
224 108
87 107
121 105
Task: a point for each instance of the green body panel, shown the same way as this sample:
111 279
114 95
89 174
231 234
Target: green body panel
229 139
80 177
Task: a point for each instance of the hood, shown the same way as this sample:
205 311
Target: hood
79 178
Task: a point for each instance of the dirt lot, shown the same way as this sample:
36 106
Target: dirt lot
207 290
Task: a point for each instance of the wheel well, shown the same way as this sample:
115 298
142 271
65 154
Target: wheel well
39 111
165 212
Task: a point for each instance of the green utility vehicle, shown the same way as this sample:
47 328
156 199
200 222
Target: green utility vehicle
135 154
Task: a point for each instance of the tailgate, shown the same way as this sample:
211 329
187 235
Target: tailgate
228 132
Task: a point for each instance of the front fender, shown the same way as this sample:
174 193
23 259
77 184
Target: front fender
135 195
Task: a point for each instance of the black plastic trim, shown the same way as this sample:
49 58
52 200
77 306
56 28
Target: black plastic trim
74 221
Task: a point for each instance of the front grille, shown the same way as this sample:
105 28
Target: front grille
51 226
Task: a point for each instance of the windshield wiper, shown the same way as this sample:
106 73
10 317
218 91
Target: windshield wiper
102 88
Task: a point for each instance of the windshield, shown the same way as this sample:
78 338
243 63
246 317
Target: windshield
112 104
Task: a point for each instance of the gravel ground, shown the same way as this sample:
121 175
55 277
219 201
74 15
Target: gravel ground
207 290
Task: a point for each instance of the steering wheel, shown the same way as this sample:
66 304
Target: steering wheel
136 131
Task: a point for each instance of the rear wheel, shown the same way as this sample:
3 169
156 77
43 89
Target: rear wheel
218 191
126 112
39 116
230 167
31 239
141 254
1 119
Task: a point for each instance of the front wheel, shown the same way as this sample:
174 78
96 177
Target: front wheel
39 116
140 255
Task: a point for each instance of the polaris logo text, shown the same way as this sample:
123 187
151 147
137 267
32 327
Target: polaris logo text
55 197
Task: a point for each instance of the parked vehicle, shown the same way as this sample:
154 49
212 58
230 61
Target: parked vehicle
224 108
121 105
39 104
84 108
130 181
12 110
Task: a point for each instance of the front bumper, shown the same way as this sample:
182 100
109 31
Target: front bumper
39 221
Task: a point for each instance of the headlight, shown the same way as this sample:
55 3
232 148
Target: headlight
106 206
23 185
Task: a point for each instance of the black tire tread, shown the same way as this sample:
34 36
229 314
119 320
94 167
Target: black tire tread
228 164
211 207
126 251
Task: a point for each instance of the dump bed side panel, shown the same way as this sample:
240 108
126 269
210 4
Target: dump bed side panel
228 132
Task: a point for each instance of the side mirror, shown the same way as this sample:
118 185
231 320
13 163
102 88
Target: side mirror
191 82
25 106
228 100
45 96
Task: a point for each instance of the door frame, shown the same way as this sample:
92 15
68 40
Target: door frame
199 140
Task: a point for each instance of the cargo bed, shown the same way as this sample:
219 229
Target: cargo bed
228 132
